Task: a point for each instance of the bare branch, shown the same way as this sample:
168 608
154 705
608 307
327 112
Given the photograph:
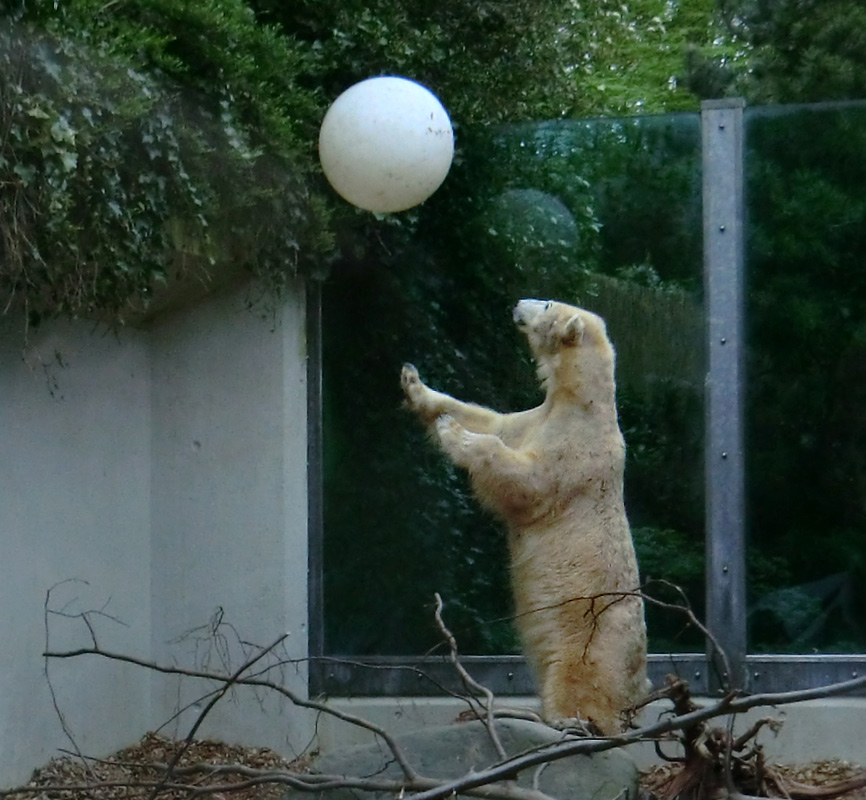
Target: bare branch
498 781
771 722
46 610
727 705
227 685
471 684
478 783
686 609
292 697
618 596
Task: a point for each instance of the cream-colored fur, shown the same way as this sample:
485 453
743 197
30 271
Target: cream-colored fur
555 475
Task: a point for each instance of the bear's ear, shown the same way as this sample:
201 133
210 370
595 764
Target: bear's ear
572 333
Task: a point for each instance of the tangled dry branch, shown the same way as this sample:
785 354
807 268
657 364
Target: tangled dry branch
715 762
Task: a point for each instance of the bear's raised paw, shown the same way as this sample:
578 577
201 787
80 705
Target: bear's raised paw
420 398
450 432
449 429
412 385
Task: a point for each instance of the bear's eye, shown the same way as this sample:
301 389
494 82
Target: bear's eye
547 305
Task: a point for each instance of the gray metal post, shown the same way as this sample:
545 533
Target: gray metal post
722 125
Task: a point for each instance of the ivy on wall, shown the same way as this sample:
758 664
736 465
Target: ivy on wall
109 168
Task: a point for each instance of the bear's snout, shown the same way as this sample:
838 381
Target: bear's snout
526 310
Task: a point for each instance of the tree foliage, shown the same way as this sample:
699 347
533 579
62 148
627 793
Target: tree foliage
505 62
487 60
800 50
805 299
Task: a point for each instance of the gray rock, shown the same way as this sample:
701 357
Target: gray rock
450 751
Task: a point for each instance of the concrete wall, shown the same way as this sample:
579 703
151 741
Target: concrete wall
228 400
166 468
74 506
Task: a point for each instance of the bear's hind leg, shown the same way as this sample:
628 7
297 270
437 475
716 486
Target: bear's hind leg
574 695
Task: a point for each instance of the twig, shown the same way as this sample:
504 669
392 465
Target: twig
686 609
64 726
621 595
473 782
496 781
228 683
470 682
292 697
771 722
729 754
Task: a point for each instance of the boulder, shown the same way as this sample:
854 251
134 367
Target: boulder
450 751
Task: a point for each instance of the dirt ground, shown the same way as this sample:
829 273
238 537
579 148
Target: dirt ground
110 778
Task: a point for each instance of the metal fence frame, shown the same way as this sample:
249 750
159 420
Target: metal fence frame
724 255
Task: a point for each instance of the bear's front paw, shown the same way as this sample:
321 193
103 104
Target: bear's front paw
451 433
417 394
409 379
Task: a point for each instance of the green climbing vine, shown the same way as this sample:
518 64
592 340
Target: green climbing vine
154 130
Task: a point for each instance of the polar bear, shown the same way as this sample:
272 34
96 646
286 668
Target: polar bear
554 474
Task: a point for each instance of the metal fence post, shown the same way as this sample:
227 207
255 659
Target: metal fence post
723 199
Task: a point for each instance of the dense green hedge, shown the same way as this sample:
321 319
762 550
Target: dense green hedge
142 129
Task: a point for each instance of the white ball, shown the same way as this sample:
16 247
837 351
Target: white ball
386 144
